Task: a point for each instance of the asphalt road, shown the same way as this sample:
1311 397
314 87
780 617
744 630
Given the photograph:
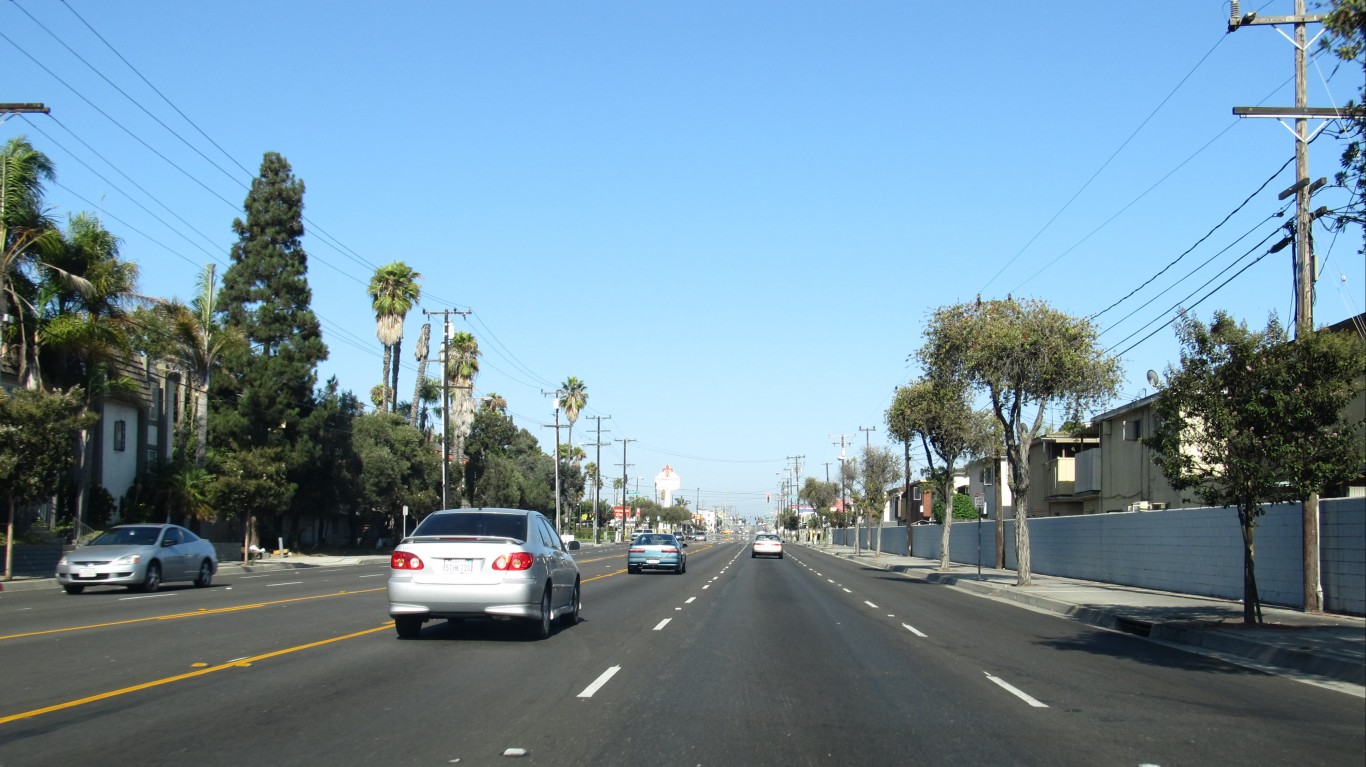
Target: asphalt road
804 660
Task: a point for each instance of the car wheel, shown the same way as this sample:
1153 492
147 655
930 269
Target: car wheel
205 574
682 568
540 629
572 617
780 556
408 626
73 588
152 580
632 570
752 555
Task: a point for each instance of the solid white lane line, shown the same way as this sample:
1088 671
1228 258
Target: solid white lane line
286 583
149 596
690 600
870 604
662 624
913 630
601 680
376 575
1004 685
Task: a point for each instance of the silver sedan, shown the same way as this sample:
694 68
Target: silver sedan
504 564
141 557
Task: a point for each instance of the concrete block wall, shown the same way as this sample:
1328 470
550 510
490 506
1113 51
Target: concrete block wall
1190 551
1341 536
33 560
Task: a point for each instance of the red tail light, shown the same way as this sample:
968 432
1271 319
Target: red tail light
636 551
517 560
668 550
405 560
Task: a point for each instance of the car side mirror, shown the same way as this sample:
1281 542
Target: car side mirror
572 545
685 544
165 543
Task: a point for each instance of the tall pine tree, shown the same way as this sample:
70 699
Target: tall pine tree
267 388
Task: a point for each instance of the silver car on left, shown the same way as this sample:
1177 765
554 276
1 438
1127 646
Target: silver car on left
141 557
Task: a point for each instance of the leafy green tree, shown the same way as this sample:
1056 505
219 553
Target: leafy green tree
268 384
939 411
1251 418
1346 27
37 429
394 291
821 496
396 467
1024 355
878 470
248 486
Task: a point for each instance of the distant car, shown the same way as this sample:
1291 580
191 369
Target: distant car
484 563
699 536
766 544
656 551
141 557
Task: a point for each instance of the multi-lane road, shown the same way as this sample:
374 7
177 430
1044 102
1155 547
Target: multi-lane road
805 660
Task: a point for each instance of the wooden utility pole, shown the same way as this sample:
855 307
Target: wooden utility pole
445 398
624 465
1304 272
597 480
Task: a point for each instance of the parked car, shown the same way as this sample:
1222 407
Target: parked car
656 551
141 557
766 544
506 564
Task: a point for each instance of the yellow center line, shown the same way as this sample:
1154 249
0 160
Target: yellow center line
190 675
194 614
605 575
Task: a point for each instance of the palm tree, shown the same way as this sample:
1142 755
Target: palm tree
393 291
198 339
462 365
495 401
423 340
27 233
574 397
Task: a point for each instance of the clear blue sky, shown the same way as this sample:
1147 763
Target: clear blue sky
730 219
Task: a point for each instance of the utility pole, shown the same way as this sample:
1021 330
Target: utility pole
557 394
624 465
597 480
844 507
1304 272
867 436
7 109
445 397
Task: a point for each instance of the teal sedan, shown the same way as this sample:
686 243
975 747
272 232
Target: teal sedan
656 551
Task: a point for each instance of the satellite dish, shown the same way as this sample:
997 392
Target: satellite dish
1153 379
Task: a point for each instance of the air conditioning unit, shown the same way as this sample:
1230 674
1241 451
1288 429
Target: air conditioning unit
1158 506
1139 506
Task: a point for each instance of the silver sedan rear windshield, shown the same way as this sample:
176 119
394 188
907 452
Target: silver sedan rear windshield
477 524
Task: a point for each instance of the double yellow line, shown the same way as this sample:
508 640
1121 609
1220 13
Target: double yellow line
239 663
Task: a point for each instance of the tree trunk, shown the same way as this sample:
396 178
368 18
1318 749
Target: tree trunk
9 542
1252 603
944 563
383 403
393 390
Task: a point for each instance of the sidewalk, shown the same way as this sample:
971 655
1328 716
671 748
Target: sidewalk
1325 648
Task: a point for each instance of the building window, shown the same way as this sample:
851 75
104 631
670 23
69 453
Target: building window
1133 430
988 476
120 436
916 493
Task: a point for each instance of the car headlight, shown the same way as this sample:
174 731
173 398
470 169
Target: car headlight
62 562
128 559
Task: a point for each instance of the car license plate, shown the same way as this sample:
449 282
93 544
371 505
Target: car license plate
652 561
87 572
459 566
